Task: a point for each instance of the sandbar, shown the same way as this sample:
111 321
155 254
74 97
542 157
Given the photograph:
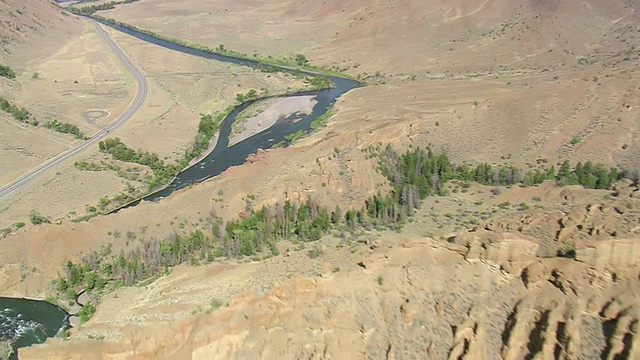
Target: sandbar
280 109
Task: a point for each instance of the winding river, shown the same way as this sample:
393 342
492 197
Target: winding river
25 322
222 157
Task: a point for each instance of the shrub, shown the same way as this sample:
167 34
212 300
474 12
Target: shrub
568 252
315 252
86 312
65 128
37 219
215 303
7 72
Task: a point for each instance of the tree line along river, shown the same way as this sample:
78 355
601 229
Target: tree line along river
24 322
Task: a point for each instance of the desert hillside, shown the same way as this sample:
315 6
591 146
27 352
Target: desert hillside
537 272
62 69
486 293
529 75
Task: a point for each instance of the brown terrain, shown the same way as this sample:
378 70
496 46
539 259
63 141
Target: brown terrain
473 276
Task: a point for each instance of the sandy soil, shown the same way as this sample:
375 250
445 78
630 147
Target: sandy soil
278 110
502 81
386 292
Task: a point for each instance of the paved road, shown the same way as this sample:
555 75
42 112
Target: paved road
141 95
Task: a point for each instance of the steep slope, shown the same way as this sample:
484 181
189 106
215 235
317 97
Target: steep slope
397 297
500 81
31 24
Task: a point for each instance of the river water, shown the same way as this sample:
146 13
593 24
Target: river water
222 157
24 322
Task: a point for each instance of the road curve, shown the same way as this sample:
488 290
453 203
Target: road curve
141 95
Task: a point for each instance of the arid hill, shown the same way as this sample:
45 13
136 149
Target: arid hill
474 275
529 75
489 292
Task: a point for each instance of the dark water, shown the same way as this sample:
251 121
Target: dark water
25 322
223 157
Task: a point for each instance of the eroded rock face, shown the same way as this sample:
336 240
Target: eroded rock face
413 297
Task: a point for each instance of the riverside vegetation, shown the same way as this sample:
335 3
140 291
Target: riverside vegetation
92 9
414 175
269 63
163 173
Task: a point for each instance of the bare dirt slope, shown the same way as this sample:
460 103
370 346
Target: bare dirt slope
484 294
497 81
530 75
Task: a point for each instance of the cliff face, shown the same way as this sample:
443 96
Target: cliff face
406 298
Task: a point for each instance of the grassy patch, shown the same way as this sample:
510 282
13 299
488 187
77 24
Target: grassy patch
320 120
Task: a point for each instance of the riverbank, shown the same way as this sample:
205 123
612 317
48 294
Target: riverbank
257 60
280 109
5 349
206 152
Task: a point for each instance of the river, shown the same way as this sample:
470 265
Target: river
222 157
25 322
